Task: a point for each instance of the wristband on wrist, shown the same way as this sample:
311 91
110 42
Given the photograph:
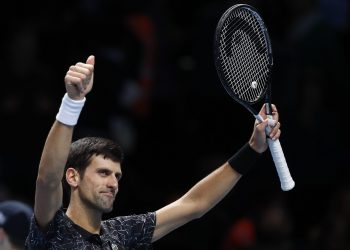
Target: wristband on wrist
244 159
69 111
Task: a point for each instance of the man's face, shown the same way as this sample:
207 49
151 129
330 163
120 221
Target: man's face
98 186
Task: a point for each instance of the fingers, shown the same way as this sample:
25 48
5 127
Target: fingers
270 125
276 135
275 126
84 68
81 70
80 74
262 125
275 114
275 131
72 80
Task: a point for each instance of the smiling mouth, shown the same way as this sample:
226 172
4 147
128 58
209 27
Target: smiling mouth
109 194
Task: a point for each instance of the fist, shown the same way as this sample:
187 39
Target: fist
79 79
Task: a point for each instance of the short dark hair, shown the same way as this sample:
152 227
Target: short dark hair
82 150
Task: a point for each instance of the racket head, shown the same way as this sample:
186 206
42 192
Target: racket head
243 54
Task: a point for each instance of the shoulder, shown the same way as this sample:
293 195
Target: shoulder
132 230
38 238
131 220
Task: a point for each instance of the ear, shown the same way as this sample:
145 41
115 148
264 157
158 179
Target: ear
72 177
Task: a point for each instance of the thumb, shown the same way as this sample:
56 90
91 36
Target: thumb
91 60
262 126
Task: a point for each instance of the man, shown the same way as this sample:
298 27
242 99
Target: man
91 168
14 224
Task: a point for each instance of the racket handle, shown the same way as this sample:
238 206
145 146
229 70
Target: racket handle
287 182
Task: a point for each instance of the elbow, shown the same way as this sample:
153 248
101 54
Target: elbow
200 210
199 214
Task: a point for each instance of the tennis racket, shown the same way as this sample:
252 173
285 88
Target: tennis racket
243 60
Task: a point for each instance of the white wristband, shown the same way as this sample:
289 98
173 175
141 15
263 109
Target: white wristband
69 111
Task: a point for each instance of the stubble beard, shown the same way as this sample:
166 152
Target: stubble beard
99 203
104 204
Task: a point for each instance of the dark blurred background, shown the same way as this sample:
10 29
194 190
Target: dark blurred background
157 93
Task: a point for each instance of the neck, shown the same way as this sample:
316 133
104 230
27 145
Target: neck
87 218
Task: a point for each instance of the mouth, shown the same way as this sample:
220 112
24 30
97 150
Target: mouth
109 194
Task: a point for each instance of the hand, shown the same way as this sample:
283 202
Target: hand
258 140
79 79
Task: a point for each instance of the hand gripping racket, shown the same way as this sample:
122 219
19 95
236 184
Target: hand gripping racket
243 60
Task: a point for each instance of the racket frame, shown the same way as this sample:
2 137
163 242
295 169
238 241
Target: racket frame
267 91
287 183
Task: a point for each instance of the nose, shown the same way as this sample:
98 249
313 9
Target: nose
113 182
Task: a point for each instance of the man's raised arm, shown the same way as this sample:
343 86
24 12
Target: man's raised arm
49 191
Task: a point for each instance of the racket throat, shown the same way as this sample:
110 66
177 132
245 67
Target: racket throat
268 108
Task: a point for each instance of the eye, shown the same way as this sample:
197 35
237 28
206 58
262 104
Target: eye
104 173
118 176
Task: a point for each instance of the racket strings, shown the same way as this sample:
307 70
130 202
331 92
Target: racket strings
244 90
240 71
251 78
240 21
244 56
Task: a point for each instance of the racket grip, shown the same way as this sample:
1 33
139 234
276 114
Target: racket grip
287 182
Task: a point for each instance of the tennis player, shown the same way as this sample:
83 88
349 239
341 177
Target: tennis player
91 170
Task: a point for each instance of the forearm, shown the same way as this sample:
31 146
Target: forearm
206 193
212 189
197 201
55 153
